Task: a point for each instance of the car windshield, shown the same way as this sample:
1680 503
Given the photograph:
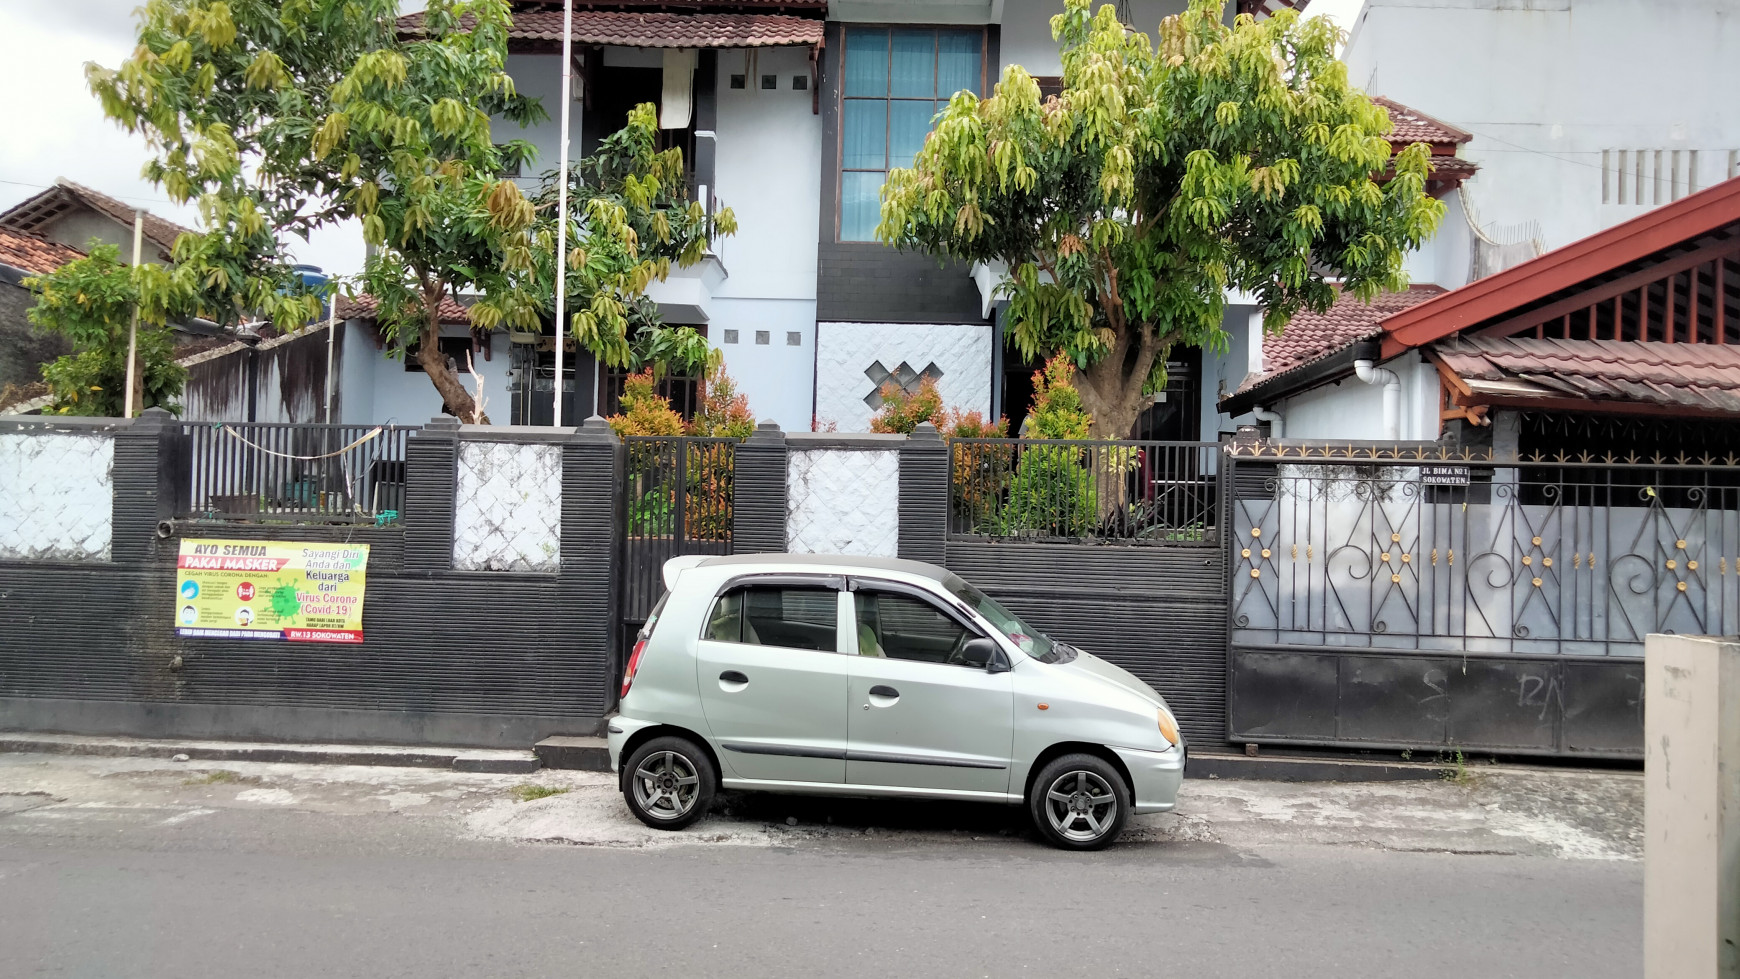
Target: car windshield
1031 641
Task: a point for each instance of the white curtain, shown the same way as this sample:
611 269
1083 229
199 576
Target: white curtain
675 103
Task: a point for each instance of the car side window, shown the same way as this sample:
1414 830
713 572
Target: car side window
905 627
777 615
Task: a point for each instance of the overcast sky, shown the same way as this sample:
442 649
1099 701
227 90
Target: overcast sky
55 128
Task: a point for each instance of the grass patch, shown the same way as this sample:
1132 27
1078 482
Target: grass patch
527 792
222 776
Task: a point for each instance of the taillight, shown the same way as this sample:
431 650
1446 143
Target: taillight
633 664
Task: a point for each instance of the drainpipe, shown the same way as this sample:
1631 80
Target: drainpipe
1277 425
1371 374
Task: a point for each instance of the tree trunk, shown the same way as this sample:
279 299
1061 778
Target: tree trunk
446 381
1111 389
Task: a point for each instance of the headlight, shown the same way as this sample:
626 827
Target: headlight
1169 727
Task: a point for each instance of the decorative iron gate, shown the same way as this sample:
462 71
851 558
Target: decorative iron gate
1435 597
676 499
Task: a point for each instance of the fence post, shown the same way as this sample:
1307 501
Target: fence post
431 473
150 482
758 492
1691 807
924 495
592 460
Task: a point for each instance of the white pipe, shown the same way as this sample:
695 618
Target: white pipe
1392 395
562 206
133 379
331 331
1277 424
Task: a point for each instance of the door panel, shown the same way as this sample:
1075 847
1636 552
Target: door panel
773 691
929 725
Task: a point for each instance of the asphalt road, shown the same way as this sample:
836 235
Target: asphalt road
117 889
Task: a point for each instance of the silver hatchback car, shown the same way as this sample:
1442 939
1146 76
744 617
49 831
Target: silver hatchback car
865 677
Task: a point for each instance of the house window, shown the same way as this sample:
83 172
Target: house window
457 350
896 80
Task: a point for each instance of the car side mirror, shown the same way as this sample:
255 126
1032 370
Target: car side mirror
983 653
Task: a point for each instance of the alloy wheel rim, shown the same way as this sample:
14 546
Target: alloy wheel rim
666 785
1081 806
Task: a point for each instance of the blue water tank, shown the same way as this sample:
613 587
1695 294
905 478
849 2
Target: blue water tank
315 281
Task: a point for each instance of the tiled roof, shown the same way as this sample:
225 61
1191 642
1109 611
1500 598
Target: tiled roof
36 213
1309 337
1414 126
1701 377
658 29
33 253
363 307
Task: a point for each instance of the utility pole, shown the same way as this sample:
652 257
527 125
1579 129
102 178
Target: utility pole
134 382
562 206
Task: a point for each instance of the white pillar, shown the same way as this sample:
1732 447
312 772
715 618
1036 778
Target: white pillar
562 207
1691 808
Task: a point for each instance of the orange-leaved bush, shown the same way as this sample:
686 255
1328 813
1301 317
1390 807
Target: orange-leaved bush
644 410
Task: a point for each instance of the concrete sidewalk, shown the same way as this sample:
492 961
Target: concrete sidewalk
1541 814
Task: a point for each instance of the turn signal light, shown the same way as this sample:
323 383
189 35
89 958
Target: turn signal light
633 664
1168 726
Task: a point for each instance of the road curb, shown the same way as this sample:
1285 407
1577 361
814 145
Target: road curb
481 760
577 754
1295 769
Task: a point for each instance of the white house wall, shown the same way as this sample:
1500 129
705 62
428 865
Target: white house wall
1447 258
1354 410
1545 86
378 389
540 76
775 376
1026 34
1222 373
845 351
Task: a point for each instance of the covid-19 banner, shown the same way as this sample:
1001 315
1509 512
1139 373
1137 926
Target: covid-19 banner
249 589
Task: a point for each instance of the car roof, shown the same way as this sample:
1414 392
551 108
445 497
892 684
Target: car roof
832 563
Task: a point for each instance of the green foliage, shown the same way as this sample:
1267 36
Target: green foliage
1226 157
90 302
530 792
723 412
1057 409
212 83
630 220
644 411
901 412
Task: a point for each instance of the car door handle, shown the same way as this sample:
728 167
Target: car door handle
732 676
882 696
882 691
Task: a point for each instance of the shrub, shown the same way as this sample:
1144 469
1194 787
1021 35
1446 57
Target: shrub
1053 491
902 412
644 411
723 412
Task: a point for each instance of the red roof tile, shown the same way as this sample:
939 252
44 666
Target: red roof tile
40 211
656 29
1414 126
33 253
1698 377
364 307
1309 337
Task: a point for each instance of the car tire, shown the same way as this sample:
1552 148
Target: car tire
1079 802
669 782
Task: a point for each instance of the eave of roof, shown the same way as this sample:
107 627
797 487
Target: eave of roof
1664 227
659 29
1613 375
365 307
32 254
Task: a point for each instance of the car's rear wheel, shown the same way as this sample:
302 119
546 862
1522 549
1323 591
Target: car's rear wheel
1079 802
669 783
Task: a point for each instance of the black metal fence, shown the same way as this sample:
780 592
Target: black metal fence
268 472
1073 491
1432 550
677 495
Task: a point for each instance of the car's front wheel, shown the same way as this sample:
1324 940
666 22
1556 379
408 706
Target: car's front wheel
669 783
1079 802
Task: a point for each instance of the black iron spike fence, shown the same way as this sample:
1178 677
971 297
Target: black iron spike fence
272 472
1471 555
1071 491
677 495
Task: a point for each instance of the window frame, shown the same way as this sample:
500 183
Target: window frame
840 169
818 582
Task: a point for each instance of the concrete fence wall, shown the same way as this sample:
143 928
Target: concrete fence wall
57 491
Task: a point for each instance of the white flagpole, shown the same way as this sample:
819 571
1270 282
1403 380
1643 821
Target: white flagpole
562 205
